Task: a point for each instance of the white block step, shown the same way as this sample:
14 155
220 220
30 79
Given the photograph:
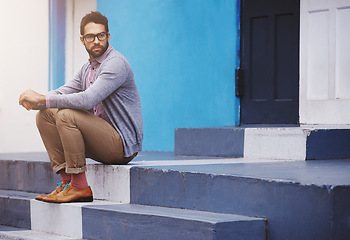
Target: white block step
62 219
109 182
276 143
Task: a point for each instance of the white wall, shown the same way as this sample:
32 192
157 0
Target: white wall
76 54
24 65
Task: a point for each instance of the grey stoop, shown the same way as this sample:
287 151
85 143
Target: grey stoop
305 142
110 215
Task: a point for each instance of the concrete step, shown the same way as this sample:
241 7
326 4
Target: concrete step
62 219
108 220
301 199
20 209
15 208
134 222
32 172
12 233
306 142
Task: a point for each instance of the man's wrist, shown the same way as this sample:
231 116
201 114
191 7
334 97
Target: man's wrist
42 99
47 101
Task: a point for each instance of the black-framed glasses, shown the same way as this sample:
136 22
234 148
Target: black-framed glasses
91 37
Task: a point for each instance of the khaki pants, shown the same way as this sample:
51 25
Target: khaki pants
70 136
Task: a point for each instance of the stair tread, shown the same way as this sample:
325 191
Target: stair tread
178 213
304 172
137 208
274 142
319 173
120 216
17 194
13 233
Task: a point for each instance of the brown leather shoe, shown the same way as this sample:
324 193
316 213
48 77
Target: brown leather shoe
71 194
58 189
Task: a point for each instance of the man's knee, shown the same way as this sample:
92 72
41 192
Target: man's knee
65 116
44 115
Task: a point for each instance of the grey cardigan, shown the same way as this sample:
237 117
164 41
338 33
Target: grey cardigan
115 87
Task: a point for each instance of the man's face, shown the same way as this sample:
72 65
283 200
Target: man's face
97 47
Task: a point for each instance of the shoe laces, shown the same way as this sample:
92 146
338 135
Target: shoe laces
59 184
65 187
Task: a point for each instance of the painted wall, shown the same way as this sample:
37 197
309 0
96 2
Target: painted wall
57 40
76 54
184 55
24 64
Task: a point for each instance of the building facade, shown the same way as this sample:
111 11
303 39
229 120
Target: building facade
292 57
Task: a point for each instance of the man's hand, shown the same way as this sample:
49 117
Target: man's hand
30 99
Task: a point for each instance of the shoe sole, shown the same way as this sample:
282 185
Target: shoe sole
82 199
41 198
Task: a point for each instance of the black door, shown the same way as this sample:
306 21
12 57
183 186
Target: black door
270 61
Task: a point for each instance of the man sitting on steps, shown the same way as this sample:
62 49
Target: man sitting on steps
97 114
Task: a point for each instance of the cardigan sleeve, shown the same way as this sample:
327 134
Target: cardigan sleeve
110 76
73 86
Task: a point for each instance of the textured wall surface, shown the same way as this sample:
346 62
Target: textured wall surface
184 55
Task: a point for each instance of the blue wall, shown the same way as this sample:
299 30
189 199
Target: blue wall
184 55
57 30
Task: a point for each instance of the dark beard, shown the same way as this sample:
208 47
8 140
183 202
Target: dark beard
94 55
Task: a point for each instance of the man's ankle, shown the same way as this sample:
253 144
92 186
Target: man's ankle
79 180
66 178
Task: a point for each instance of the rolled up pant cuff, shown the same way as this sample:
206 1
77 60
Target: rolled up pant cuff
68 170
75 170
58 168
75 162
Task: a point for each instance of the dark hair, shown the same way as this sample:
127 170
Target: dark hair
95 17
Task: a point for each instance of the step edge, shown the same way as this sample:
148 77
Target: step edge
178 213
